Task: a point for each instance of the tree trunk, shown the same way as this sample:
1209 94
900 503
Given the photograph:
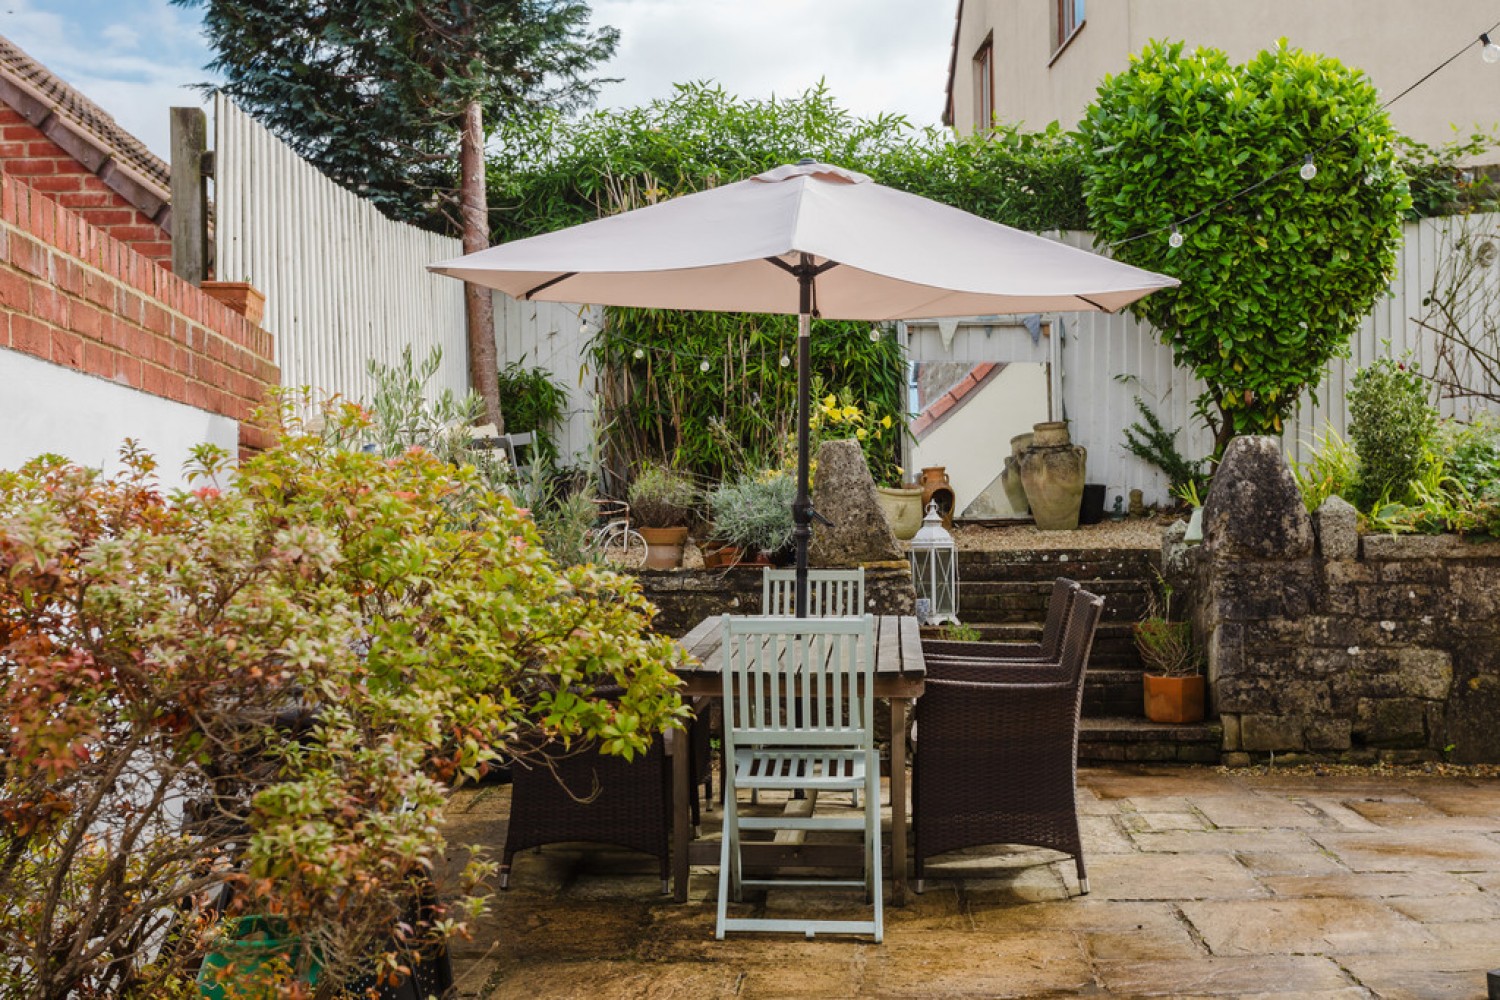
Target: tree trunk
479 306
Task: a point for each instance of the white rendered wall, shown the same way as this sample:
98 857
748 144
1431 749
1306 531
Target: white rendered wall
973 441
48 408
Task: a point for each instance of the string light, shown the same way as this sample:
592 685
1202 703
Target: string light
1490 53
639 353
786 362
703 366
874 334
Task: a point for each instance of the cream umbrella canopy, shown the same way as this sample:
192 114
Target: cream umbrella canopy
814 240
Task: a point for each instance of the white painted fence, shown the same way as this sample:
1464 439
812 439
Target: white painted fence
344 285
1103 361
555 336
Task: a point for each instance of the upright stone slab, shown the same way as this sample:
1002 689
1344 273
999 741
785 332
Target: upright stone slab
844 493
1254 509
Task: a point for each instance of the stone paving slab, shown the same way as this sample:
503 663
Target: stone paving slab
1206 883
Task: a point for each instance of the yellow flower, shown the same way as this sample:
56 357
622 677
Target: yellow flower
851 413
885 421
861 434
830 401
835 416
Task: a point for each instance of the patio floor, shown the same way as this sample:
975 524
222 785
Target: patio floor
1205 883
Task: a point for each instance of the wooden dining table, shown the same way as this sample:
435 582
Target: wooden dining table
899 676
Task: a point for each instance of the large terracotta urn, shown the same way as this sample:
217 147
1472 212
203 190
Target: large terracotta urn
1052 471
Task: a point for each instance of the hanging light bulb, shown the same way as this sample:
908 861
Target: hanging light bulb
703 366
874 334
639 354
786 362
1175 240
1309 169
1491 52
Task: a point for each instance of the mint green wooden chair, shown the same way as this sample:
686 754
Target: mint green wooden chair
799 716
829 592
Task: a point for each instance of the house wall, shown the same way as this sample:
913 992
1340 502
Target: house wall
973 440
1396 42
83 302
27 154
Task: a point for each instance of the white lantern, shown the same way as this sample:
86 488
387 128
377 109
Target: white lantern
934 570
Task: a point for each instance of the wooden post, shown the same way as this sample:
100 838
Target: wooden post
189 194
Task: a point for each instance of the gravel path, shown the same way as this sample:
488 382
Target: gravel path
1131 533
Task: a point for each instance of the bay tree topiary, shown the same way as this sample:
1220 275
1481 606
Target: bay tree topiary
1277 269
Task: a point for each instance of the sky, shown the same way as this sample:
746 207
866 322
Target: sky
137 58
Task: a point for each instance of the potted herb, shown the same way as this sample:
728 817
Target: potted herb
661 505
754 512
1172 683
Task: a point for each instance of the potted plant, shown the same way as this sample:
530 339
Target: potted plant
754 512
661 505
1172 683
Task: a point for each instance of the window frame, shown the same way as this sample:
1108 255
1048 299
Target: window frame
1068 19
984 84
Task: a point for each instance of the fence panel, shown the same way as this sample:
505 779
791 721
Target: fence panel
1106 360
344 285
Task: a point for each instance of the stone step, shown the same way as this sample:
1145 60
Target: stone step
1046 566
1111 693
996 602
1114 739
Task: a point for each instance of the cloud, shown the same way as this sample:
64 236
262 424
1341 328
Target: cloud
877 56
96 47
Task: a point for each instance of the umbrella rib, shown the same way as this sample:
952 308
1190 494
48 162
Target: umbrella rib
1096 305
547 284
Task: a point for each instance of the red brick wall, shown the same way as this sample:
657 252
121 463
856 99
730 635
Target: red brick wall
75 296
28 154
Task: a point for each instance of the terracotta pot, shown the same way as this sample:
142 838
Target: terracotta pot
934 475
1053 480
664 547
1173 699
903 510
720 556
1020 443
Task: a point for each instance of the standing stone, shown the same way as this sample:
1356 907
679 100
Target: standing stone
1254 508
1337 525
844 493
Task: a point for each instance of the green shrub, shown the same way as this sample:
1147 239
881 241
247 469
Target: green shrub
274 685
533 399
755 511
661 497
1276 271
1331 471
1391 426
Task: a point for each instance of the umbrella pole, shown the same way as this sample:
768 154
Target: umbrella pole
801 518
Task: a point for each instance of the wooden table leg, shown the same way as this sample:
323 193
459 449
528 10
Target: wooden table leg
682 824
898 801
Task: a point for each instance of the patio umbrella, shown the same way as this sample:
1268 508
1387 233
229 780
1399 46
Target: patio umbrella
815 240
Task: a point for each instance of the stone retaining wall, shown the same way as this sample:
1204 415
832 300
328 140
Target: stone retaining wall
1325 643
685 597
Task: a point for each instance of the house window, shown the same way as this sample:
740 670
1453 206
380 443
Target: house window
984 85
1069 17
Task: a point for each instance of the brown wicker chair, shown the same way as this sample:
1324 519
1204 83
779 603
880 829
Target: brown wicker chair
1058 606
632 807
997 759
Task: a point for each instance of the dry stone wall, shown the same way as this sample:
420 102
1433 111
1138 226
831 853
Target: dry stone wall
1328 644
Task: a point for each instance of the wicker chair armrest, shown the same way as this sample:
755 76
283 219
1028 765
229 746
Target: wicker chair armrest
998 650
